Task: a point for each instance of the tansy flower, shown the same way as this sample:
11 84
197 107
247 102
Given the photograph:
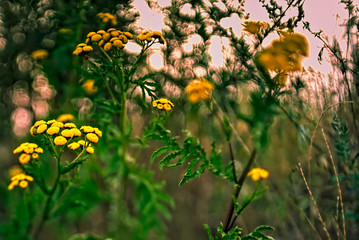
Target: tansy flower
98 132
163 103
74 145
107 18
82 49
15 170
89 86
90 150
258 173
199 89
285 55
147 37
39 54
53 130
42 128
65 118
67 133
20 180
28 150
92 137
254 27
60 140
87 129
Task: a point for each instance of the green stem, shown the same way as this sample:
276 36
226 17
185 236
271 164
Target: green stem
47 208
237 190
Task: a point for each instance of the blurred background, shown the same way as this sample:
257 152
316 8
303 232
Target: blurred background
40 78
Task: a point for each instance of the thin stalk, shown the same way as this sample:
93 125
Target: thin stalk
47 208
237 190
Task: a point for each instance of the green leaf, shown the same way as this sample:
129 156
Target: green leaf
264 228
168 158
71 166
160 151
208 230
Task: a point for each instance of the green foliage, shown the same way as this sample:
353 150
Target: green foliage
191 152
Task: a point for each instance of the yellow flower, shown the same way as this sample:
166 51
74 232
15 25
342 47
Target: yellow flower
254 27
87 129
53 130
65 118
285 55
107 47
24 158
89 85
107 18
39 54
154 36
38 123
163 103
35 156
70 125
42 128
82 49
39 150
98 132
92 137
81 142
74 145
60 140
199 89
90 150
76 132
258 173
15 170
67 133
20 180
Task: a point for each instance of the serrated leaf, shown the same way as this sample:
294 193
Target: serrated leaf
159 151
264 228
168 158
71 166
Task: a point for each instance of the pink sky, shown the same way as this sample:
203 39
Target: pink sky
322 14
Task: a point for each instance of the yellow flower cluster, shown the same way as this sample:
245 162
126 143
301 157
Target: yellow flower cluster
20 180
82 49
89 86
112 38
66 134
39 54
65 118
199 89
163 103
254 27
154 36
258 173
285 54
107 18
28 151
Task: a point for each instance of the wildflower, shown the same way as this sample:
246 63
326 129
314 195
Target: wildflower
15 170
199 89
254 27
53 130
89 85
92 137
90 150
82 49
27 151
107 18
65 31
81 142
258 173
285 55
20 180
98 132
67 133
154 36
163 103
57 124
65 118
87 129
60 140
76 132
74 145
39 54
42 128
